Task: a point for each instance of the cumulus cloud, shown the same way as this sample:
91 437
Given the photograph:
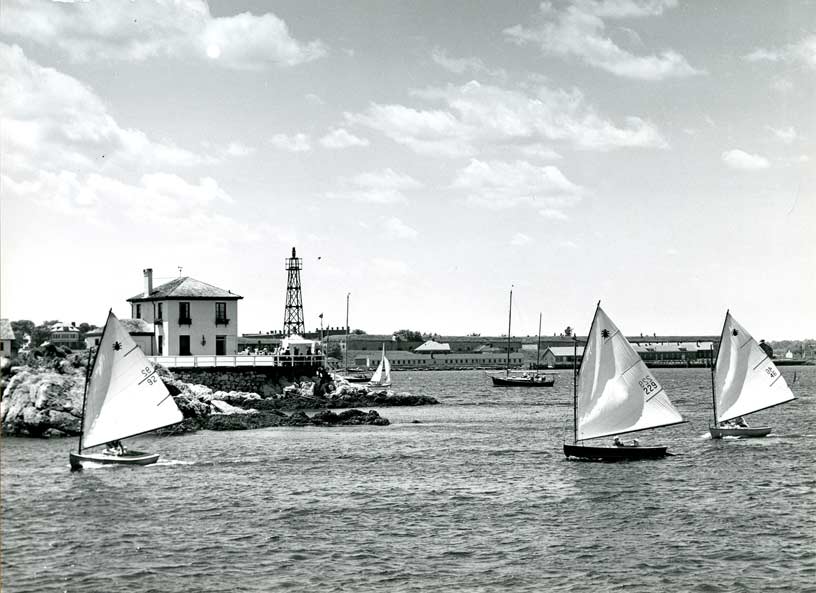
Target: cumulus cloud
125 30
342 138
375 187
53 121
802 52
520 239
479 114
739 159
499 184
292 143
580 29
463 65
396 228
786 135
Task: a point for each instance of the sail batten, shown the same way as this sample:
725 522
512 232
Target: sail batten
745 378
616 393
125 396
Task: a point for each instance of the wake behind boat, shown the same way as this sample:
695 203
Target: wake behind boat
615 394
124 397
744 380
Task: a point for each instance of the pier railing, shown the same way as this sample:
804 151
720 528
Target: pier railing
240 360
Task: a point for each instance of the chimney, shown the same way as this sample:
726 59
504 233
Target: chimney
148 281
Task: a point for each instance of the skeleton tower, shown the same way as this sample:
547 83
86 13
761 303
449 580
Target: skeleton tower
293 315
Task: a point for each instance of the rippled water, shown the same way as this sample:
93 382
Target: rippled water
477 496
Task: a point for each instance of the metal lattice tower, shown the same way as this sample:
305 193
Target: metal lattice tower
293 314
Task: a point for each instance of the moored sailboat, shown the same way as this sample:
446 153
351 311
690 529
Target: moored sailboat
527 379
744 380
124 397
615 394
382 376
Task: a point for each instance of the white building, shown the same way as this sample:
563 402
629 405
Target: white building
189 317
64 334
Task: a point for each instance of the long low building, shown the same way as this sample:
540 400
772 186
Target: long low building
411 360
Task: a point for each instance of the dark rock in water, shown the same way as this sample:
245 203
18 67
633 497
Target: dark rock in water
299 418
245 421
274 418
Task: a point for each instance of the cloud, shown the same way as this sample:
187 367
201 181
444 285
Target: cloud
389 267
375 187
499 184
520 239
463 65
786 135
137 31
478 114
738 159
553 214
802 52
396 228
294 143
342 138
540 151
579 29
236 149
52 121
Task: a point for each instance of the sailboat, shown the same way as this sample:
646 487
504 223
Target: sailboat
743 380
123 397
527 379
615 394
357 377
382 376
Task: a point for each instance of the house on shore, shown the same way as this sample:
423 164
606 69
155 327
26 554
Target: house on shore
140 330
188 317
6 339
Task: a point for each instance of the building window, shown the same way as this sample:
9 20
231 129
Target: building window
220 345
160 312
184 314
138 311
221 314
184 345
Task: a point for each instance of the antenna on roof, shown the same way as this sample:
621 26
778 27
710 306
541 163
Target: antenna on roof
180 268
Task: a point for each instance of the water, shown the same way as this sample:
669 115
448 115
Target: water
475 497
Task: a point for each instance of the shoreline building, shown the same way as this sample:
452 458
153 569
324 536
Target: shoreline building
65 334
6 339
189 317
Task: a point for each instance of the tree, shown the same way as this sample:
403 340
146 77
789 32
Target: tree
42 333
21 329
408 335
358 332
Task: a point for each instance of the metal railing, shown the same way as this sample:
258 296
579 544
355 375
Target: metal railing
239 360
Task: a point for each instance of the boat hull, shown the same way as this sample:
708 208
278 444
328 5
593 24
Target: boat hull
129 458
614 453
522 382
718 432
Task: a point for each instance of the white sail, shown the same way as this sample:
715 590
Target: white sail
382 376
124 394
616 392
745 378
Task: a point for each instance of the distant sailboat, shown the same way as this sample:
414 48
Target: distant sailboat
382 376
527 379
744 380
124 397
614 394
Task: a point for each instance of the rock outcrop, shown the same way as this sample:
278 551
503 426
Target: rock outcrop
46 401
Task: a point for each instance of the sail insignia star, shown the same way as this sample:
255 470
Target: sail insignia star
605 333
734 332
117 346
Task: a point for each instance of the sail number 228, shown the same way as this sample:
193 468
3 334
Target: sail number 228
150 378
648 385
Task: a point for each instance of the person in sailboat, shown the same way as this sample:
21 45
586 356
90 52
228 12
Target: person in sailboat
618 442
115 448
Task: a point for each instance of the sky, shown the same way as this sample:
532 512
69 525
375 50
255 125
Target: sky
423 157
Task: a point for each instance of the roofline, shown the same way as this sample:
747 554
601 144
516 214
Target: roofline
234 297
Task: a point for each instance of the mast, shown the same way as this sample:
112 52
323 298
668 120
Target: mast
538 350
574 388
348 294
88 373
714 366
509 319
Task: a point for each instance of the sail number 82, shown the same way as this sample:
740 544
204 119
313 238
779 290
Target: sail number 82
648 385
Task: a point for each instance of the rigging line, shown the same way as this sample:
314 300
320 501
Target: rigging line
131 350
761 361
654 395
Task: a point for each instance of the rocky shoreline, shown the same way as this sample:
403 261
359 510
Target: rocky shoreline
46 401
